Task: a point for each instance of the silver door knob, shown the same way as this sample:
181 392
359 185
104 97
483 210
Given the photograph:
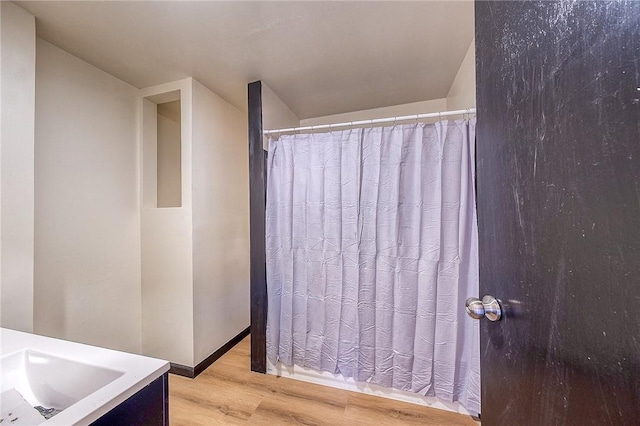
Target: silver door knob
474 307
487 307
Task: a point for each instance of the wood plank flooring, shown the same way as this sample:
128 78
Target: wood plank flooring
228 393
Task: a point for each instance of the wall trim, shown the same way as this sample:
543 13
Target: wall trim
193 372
181 370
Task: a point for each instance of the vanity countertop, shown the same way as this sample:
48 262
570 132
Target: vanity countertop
138 371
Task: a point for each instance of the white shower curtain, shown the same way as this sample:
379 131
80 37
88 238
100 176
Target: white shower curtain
371 253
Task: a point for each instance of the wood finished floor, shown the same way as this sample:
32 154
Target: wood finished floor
228 393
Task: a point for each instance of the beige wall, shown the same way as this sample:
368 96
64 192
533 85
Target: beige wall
167 242
435 105
17 103
195 258
275 113
87 220
220 222
167 284
462 93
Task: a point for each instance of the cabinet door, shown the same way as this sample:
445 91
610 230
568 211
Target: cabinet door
149 407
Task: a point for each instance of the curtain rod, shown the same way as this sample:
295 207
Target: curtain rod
374 121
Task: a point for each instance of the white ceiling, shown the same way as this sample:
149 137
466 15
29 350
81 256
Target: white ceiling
320 58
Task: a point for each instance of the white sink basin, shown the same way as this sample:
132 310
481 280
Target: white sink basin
50 381
85 382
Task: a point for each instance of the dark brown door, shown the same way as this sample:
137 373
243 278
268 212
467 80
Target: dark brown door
558 169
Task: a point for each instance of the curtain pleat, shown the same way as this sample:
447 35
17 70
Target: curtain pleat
371 252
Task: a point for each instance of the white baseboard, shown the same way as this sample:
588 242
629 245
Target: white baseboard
338 381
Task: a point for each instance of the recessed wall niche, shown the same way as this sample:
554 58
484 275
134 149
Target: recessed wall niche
162 147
